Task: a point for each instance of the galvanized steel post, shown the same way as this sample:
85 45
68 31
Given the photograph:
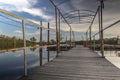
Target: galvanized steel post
94 43
40 50
59 36
24 40
57 43
48 41
101 18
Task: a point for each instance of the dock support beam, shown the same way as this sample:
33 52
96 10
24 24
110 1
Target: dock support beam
24 39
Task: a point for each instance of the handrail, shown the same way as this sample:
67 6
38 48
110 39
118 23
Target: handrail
21 18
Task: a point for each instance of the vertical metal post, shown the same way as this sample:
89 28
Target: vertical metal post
14 42
24 39
56 18
102 41
40 44
74 39
94 43
86 38
56 10
99 21
59 31
117 41
90 38
48 41
66 42
70 38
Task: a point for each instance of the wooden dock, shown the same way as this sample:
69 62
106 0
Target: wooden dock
77 64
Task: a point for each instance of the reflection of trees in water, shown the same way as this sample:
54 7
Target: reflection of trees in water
13 51
33 49
7 42
33 41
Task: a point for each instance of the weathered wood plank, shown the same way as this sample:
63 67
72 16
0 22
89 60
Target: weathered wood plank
77 64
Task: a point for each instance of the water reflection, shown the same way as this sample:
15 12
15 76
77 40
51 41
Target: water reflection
33 49
12 63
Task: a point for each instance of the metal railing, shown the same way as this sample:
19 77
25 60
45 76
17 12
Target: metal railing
101 38
26 39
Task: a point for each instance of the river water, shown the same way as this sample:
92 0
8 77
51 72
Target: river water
12 63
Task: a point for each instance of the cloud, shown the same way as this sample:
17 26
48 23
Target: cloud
23 6
36 12
27 33
37 32
18 31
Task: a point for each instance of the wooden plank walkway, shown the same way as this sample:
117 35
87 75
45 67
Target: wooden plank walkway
77 64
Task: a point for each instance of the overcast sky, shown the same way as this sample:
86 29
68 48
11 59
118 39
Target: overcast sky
38 10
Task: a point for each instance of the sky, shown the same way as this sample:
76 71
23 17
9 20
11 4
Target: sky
43 10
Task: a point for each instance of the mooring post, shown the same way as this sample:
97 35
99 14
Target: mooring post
41 44
48 41
24 41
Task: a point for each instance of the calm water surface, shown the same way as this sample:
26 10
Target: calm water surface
12 63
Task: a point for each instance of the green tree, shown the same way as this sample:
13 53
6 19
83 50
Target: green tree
52 41
61 37
33 41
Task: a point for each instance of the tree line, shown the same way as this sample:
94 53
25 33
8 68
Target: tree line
7 42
